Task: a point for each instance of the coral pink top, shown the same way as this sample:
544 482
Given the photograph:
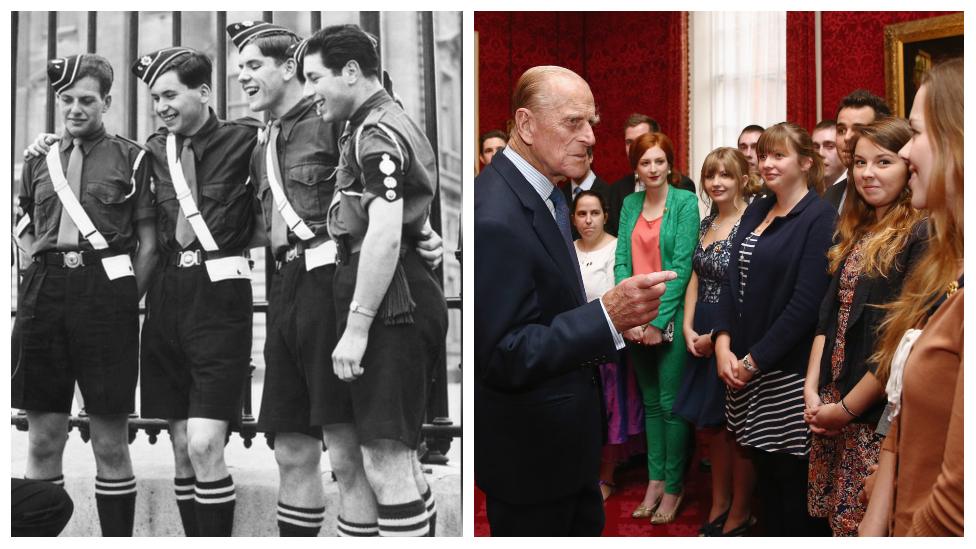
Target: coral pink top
645 245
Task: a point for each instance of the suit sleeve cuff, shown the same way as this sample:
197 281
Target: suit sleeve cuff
618 340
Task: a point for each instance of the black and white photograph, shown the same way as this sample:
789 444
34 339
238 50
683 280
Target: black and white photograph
236 273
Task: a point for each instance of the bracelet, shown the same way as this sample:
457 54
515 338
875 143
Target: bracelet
355 307
846 409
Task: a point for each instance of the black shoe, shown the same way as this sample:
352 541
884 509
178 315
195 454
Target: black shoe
738 531
714 528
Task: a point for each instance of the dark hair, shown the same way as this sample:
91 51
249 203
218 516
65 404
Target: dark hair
193 70
599 196
752 128
637 119
488 135
648 141
339 44
98 68
824 124
863 98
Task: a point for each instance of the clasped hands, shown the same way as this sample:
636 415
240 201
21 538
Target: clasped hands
824 419
730 368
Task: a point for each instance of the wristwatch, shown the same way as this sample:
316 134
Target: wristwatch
355 307
749 365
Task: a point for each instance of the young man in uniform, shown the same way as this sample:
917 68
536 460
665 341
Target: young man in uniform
196 346
301 321
341 65
85 208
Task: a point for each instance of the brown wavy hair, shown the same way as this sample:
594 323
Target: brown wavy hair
791 137
648 141
889 234
928 281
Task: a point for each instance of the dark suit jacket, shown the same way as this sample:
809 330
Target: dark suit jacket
624 187
864 319
835 193
538 413
599 186
786 284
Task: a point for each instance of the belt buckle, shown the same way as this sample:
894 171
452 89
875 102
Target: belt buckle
72 260
189 258
291 254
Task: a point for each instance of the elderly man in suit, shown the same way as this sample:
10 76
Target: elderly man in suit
538 411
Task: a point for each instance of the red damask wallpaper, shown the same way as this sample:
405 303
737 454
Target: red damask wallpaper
632 61
853 57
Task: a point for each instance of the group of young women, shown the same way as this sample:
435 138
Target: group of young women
820 356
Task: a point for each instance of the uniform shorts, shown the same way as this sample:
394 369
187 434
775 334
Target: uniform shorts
196 345
389 400
298 349
75 325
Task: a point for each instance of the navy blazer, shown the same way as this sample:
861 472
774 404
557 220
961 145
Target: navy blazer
864 319
538 413
787 280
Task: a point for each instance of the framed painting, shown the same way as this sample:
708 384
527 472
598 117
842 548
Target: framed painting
911 48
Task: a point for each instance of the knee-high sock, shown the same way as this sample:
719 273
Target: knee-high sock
404 519
346 529
431 505
116 503
186 505
215 507
58 480
299 521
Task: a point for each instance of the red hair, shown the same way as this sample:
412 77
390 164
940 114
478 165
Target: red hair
649 141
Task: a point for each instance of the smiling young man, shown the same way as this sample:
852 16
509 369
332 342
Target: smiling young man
84 209
196 339
379 375
294 172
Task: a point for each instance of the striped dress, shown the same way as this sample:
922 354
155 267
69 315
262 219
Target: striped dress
767 414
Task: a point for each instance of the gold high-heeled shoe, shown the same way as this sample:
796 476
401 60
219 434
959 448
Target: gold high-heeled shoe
642 511
667 518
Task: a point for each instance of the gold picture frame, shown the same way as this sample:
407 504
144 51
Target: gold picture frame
896 37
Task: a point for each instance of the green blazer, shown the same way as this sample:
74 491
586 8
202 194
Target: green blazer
679 236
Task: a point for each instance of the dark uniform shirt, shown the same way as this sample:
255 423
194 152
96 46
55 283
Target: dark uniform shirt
373 166
225 195
307 156
114 192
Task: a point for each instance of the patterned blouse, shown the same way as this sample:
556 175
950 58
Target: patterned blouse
711 261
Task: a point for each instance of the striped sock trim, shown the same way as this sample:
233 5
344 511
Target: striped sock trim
115 487
404 519
184 488
346 529
429 501
216 492
305 517
57 481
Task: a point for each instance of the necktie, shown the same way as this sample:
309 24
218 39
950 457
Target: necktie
184 232
67 230
279 230
562 221
576 190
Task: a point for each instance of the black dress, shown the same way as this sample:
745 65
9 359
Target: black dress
701 399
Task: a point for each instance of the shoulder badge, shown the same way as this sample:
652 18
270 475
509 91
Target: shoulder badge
386 165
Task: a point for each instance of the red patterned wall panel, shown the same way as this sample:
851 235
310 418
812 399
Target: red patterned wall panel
853 51
801 69
632 61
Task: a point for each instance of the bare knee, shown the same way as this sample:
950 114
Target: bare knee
296 453
204 447
47 444
110 442
389 466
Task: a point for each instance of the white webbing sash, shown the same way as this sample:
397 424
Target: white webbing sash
294 223
70 202
185 197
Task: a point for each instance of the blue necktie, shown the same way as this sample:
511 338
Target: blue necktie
562 221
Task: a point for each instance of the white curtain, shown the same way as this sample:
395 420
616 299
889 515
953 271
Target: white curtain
738 77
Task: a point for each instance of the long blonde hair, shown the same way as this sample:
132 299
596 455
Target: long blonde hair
733 162
889 234
943 111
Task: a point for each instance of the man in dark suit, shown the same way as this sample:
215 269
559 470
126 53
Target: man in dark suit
636 125
589 182
538 412
858 108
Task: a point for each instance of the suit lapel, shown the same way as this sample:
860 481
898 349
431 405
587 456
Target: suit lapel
542 222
